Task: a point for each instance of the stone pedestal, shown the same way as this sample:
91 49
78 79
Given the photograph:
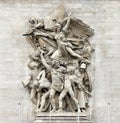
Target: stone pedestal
61 118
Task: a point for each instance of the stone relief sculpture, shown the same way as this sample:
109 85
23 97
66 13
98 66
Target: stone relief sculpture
58 79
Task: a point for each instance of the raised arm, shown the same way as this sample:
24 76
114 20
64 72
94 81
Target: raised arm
65 28
43 60
42 74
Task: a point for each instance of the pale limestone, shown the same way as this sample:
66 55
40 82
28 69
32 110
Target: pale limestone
103 16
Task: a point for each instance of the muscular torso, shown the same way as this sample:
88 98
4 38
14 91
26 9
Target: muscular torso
56 76
57 83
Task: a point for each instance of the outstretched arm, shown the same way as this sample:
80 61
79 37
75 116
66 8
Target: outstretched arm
74 53
43 34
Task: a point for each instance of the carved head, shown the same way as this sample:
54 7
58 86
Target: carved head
83 67
44 48
57 27
37 53
39 48
33 65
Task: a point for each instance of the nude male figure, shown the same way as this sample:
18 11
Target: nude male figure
57 75
69 77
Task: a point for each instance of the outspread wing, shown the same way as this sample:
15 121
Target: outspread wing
77 28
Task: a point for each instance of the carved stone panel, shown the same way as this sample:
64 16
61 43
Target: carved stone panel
58 80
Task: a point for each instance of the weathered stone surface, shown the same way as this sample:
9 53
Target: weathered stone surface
103 16
58 79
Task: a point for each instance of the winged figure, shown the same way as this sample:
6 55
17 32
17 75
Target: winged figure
62 51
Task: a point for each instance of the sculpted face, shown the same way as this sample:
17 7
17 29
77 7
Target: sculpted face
82 67
37 53
57 27
82 70
33 65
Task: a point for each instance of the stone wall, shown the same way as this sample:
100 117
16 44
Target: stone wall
103 16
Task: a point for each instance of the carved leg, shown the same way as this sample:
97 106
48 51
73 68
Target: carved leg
32 96
61 97
82 101
68 101
38 100
52 99
73 96
43 100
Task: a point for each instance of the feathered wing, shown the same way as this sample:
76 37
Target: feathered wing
77 28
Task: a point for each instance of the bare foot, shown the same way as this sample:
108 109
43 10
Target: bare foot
53 110
37 110
60 110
